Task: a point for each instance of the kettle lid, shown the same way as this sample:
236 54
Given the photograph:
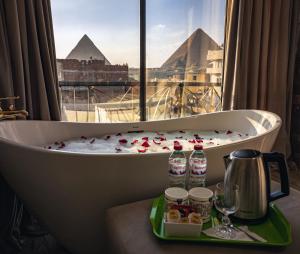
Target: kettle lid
246 153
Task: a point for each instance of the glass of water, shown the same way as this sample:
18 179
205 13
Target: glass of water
226 201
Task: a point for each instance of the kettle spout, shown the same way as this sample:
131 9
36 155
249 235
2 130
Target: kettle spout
227 160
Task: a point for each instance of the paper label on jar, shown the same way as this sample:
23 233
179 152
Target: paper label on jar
203 207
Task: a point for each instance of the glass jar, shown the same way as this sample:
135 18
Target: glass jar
201 200
175 196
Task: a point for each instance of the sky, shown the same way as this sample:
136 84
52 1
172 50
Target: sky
113 25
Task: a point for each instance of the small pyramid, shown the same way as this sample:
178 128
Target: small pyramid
86 50
193 52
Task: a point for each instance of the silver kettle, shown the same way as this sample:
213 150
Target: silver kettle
249 169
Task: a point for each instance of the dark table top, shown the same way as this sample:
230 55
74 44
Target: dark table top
129 232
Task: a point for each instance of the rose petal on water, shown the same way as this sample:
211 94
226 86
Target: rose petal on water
134 141
142 150
145 144
118 149
123 141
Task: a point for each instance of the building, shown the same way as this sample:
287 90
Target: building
215 65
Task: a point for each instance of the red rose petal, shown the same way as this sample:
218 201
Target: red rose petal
142 150
229 132
145 138
123 141
134 141
159 134
176 142
145 144
163 139
166 148
62 145
156 142
199 140
92 141
193 141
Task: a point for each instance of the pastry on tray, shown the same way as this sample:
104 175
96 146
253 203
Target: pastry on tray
173 215
195 218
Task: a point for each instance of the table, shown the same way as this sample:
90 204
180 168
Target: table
129 232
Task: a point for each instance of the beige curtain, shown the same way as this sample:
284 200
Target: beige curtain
27 57
260 49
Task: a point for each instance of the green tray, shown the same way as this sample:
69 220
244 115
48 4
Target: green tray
276 229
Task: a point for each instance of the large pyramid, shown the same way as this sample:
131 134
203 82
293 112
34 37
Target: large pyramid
86 50
192 53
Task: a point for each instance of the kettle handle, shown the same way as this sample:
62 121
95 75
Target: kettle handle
284 180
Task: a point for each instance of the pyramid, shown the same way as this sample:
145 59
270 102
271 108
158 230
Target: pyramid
192 53
86 50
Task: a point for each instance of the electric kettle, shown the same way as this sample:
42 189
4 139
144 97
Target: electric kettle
249 169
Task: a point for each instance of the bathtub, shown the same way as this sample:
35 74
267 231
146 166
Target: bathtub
69 192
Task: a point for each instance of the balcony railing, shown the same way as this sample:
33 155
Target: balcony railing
119 101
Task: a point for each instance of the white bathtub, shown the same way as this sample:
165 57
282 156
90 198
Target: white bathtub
69 192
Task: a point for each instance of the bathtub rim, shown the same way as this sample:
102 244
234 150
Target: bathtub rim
33 148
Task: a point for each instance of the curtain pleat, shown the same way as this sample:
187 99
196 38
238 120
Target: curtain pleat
258 59
28 64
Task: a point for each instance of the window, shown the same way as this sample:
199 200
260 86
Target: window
100 46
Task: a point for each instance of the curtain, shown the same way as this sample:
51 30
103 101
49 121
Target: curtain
260 48
27 57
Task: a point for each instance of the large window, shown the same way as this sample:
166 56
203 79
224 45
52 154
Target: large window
101 46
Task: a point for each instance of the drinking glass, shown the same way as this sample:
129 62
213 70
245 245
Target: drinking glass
226 201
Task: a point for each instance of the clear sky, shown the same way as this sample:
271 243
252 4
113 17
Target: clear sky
113 25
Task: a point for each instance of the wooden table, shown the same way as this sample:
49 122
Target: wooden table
129 232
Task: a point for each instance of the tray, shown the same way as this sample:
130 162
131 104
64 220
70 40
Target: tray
275 229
